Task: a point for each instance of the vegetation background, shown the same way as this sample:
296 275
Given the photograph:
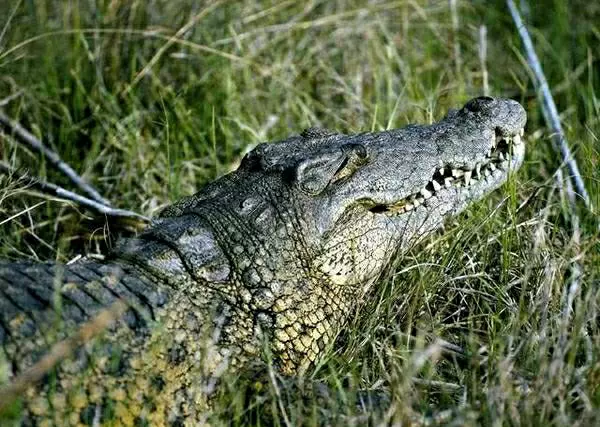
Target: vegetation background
151 99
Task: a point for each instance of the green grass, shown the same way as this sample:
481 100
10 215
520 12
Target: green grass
148 118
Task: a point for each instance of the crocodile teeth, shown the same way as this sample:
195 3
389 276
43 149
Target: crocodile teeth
517 140
498 157
468 177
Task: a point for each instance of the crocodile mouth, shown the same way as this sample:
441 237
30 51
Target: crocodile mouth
506 152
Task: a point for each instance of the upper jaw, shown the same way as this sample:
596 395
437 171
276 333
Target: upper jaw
505 153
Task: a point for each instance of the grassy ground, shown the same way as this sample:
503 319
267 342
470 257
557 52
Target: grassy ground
149 108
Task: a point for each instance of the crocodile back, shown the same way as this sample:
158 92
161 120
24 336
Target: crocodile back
132 368
43 302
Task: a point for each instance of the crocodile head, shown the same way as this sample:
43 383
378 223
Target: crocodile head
365 196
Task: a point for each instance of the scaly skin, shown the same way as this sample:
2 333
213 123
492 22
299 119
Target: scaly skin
272 256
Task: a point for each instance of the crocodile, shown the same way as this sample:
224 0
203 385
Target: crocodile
268 259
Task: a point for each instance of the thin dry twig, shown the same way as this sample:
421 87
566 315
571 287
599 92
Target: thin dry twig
57 191
61 351
548 106
25 137
573 178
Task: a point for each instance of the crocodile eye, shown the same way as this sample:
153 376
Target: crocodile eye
479 104
355 152
360 151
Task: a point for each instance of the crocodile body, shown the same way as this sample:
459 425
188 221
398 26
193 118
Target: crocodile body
271 257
